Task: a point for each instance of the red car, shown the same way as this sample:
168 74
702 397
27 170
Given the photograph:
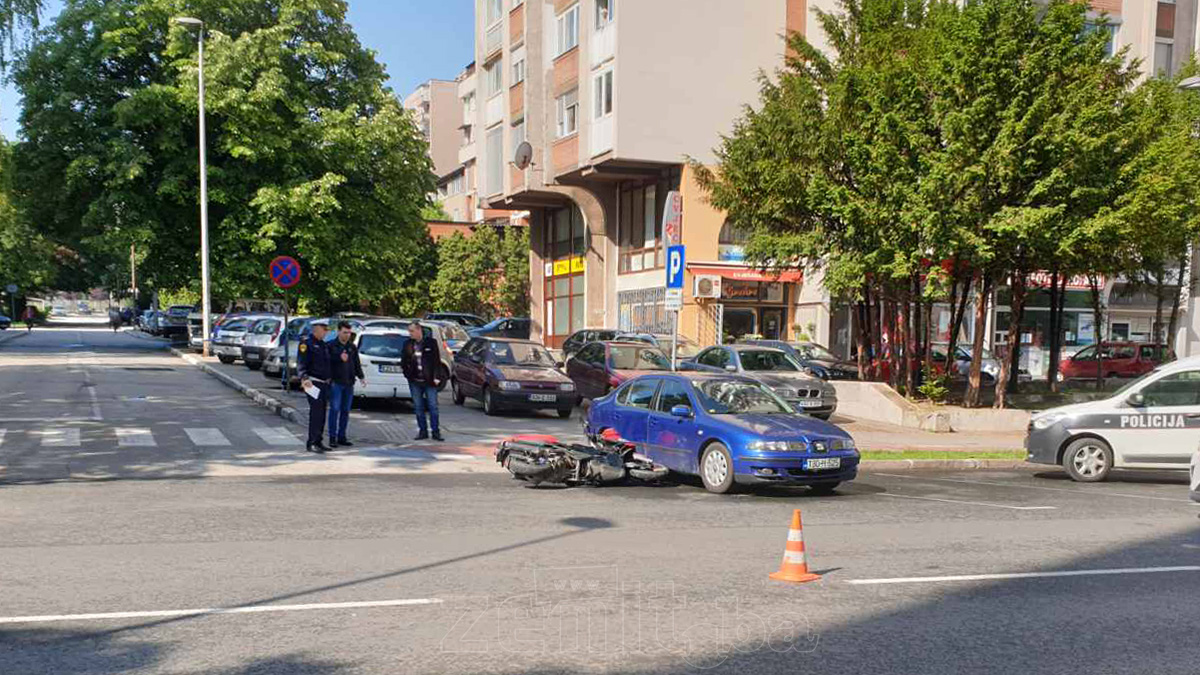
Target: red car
599 367
1117 359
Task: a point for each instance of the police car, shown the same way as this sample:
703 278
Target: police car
1151 423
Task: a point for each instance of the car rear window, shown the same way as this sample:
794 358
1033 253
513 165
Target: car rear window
266 327
236 324
637 358
382 346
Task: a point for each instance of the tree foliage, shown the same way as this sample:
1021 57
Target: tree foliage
486 273
309 153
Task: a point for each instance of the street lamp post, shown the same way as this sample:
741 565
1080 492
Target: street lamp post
204 293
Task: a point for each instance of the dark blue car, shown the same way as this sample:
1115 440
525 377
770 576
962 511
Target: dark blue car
726 429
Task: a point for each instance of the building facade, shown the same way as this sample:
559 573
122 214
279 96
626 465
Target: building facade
435 109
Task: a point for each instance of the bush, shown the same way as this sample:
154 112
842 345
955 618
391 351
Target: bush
934 387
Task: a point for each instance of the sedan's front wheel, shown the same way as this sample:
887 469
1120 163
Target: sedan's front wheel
1088 460
716 469
489 406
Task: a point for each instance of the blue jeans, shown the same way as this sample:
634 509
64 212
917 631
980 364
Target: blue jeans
341 397
425 398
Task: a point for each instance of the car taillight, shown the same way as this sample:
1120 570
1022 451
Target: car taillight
614 381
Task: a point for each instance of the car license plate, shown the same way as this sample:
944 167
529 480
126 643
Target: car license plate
390 368
543 398
810 403
823 463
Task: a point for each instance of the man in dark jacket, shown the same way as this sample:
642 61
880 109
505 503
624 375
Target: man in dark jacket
346 367
314 369
421 363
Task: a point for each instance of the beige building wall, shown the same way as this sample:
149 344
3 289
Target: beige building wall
437 112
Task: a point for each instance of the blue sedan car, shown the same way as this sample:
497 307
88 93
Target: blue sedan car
726 429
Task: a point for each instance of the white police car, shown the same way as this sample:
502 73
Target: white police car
1150 423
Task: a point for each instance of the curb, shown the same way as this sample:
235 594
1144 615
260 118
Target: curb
269 402
947 464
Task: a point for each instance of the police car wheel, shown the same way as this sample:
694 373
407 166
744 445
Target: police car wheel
1088 460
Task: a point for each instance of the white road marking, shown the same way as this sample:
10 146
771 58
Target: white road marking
255 609
207 437
2 433
60 438
1035 487
960 501
91 388
1024 575
131 437
277 436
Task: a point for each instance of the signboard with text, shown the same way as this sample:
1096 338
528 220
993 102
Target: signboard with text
673 219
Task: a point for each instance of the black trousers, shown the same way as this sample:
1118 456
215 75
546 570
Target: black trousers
317 408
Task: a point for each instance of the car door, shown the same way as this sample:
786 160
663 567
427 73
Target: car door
671 440
712 360
1124 361
1162 431
578 369
632 417
471 374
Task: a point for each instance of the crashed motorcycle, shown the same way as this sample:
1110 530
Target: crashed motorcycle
538 459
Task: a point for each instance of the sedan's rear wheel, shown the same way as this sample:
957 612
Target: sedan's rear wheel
1088 460
716 469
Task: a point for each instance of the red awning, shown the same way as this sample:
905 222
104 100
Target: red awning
744 273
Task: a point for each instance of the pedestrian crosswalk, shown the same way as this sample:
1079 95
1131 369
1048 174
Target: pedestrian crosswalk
134 438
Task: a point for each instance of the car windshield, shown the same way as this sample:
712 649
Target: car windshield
813 352
386 323
179 311
684 348
520 354
472 321
637 358
386 346
1132 384
453 331
738 397
767 360
266 326
236 324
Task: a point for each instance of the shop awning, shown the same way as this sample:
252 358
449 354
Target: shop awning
746 273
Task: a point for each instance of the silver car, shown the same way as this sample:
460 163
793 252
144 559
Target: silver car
774 368
228 339
265 335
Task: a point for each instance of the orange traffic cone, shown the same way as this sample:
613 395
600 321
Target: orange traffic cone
794 568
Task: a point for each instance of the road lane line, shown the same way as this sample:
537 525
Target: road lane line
1035 487
3 432
277 436
207 437
1024 575
959 501
135 437
67 437
254 609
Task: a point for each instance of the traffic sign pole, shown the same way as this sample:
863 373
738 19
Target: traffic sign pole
674 294
285 273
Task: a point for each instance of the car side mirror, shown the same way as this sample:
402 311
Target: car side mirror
1136 400
560 364
681 411
731 368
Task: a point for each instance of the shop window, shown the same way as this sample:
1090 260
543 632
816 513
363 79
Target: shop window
565 234
731 242
643 311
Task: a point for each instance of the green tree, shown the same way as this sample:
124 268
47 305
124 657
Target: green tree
467 272
513 294
310 154
26 258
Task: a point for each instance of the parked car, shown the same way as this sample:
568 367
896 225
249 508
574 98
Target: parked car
299 328
153 323
379 350
815 359
5 322
579 338
1117 359
685 348
989 366
175 320
509 374
774 368
508 327
600 367
461 318
265 335
727 429
229 337
1150 423
451 333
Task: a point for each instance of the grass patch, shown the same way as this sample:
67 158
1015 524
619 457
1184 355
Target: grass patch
942 454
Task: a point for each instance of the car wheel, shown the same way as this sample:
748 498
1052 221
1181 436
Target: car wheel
1088 460
824 488
565 413
489 406
254 366
716 469
225 359
823 416
459 397
443 377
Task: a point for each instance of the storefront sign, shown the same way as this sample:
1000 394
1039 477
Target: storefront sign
739 290
673 219
577 264
731 252
565 266
1079 282
743 273
562 267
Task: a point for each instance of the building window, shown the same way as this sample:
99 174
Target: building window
565 234
518 72
518 133
605 13
468 104
643 311
1110 30
639 229
568 113
567 30
1164 52
517 3
566 243
493 79
494 9
602 94
495 161
731 242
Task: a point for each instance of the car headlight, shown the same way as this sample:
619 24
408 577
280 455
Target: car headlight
509 385
567 386
784 392
1047 420
842 444
777 446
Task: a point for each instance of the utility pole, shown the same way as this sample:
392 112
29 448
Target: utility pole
133 273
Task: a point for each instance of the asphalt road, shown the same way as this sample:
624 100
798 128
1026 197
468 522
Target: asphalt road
980 572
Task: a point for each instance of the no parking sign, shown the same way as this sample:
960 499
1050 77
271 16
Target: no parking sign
285 271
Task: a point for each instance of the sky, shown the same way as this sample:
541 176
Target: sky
416 40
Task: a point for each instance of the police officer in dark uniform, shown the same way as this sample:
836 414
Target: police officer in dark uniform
314 367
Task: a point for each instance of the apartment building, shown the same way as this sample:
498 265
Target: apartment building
435 109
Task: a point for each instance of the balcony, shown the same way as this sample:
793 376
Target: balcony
603 45
601 136
494 112
466 153
494 40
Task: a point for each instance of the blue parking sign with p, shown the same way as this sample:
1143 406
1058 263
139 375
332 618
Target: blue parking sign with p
675 267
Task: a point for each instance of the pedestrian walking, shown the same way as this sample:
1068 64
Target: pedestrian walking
314 368
29 316
347 367
114 318
421 363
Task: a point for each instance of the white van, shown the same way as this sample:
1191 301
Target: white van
1151 423
379 350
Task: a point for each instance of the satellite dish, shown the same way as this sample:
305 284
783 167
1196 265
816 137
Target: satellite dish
523 156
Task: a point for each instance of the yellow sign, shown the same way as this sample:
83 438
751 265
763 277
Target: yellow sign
577 264
562 267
